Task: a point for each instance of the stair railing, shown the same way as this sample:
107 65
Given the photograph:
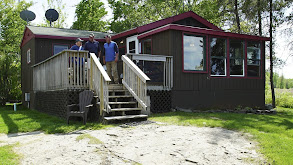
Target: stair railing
99 80
135 81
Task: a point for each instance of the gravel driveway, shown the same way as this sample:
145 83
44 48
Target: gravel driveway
146 144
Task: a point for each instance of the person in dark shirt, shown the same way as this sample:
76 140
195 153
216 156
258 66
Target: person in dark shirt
78 45
93 46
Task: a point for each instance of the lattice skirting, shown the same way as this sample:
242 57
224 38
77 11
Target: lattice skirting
55 102
160 101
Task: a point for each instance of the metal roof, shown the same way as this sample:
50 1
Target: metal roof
49 31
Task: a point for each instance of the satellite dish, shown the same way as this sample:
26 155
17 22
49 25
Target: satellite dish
27 15
51 15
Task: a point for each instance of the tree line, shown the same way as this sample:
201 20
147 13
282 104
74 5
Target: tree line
280 81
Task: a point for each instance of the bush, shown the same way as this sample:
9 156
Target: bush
283 98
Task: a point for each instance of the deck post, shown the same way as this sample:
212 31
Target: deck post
101 96
90 79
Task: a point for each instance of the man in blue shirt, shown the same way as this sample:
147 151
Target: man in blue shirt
111 58
92 46
78 45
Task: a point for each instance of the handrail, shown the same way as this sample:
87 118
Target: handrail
168 66
135 81
99 81
65 70
58 54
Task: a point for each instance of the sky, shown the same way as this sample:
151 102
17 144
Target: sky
70 5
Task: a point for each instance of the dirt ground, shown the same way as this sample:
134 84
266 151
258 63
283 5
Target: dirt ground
146 144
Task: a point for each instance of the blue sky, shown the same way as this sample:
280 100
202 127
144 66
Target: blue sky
281 49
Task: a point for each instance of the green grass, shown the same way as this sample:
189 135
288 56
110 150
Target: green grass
8 156
92 139
26 120
274 133
284 97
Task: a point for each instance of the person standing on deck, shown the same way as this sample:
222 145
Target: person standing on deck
111 58
93 46
78 45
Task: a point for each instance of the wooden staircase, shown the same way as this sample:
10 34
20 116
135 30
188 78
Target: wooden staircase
123 105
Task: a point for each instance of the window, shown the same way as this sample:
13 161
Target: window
218 56
59 48
236 58
132 47
146 46
253 59
132 44
28 56
194 53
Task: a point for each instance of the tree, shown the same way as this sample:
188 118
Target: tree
271 54
11 30
90 14
133 13
59 7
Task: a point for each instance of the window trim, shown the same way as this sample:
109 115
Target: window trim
243 60
136 43
260 60
205 56
227 62
53 44
28 56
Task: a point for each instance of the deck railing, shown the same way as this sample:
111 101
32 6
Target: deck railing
65 70
99 83
135 81
167 66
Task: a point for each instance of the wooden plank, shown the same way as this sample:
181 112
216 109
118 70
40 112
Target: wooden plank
125 117
134 95
126 109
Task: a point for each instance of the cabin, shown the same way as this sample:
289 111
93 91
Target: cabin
179 62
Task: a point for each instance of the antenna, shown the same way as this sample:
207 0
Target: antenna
27 15
51 15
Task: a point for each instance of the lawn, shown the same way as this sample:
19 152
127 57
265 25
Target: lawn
26 120
274 133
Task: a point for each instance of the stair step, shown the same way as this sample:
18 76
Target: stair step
115 86
121 96
126 109
130 102
125 117
118 90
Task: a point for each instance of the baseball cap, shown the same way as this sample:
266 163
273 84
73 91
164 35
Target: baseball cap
92 35
78 39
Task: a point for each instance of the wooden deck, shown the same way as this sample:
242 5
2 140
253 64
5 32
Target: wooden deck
71 70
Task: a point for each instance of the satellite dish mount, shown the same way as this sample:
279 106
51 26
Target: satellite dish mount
51 15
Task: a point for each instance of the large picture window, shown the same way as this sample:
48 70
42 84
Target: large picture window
218 56
253 59
59 48
236 58
194 53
